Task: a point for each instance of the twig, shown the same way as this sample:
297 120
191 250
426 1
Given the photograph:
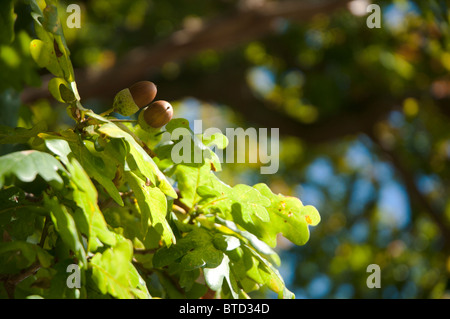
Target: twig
44 232
12 281
107 112
123 120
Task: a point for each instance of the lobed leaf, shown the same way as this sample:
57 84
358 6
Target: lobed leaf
189 179
214 276
61 90
94 165
288 216
85 196
114 273
26 165
140 159
153 207
50 50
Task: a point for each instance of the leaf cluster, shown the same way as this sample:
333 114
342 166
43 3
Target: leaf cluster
107 197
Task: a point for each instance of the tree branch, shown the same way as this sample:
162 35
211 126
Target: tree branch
225 32
229 87
12 281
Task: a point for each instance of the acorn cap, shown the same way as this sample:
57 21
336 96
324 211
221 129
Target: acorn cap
143 93
130 100
124 103
157 114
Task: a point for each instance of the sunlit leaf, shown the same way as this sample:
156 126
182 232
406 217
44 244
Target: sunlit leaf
44 54
259 245
61 90
190 178
153 207
287 216
141 159
93 165
271 277
85 195
214 276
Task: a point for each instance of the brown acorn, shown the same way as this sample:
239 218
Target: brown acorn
156 115
143 93
130 100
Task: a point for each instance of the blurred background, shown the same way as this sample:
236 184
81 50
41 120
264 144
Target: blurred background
363 115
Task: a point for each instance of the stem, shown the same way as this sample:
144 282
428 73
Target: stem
107 112
123 120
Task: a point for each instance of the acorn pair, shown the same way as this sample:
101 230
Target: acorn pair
139 96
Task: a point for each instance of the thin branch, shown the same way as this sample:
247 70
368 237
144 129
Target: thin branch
44 231
12 281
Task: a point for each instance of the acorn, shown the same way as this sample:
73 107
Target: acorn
132 99
155 116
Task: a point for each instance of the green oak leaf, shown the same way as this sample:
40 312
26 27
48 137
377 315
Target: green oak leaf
94 165
140 159
61 90
189 179
153 207
241 203
216 139
214 276
270 275
51 20
50 50
288 216
258 245
85 196
9 135
114 273
190 147
28 251
195 250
